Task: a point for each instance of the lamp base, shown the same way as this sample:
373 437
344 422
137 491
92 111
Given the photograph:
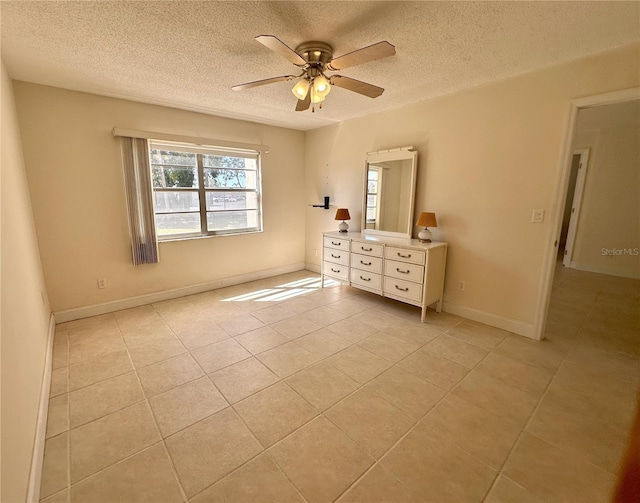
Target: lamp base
343 227
425 236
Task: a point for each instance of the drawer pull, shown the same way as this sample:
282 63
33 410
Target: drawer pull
404 256
365 279
334 270
335 256
402 289
403 272
365 263
366 249
336 244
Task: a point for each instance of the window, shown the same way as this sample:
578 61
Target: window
373 190
204 191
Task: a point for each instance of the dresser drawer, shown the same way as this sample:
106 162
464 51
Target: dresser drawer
336 256
337 271
404 270
394 287
367 249
336 243
366 279
366 263
404 255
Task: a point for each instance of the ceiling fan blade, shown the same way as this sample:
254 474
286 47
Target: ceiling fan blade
304 104
356 86
371 53
256 83
278 46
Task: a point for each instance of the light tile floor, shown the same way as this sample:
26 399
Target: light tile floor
279 391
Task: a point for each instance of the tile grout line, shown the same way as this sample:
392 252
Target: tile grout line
155 421
265 450
448 392
417 422
523 429
564 360
161 439
229 405
528 422
410 430
286 475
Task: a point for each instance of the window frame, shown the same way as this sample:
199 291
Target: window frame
201 190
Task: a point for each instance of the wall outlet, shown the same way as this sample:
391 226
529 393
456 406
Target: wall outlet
315 252
461 285
102 283
537 217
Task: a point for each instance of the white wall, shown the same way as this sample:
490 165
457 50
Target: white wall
75 174
610 210
487 158
25 310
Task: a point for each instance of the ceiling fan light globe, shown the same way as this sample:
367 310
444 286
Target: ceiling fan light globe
301 89
321 86
315 96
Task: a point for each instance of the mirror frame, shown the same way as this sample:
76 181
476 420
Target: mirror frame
398 154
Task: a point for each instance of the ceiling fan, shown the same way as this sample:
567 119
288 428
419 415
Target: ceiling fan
314 59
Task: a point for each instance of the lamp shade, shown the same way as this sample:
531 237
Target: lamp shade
315 96
427 219
301 89
343 214
321 86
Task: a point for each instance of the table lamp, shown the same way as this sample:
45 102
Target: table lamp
343 214
425 220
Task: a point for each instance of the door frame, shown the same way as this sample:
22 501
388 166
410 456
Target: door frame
562 184
576 204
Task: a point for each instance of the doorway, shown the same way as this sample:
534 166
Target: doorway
562 190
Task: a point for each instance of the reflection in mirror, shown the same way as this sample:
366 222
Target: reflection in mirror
389 192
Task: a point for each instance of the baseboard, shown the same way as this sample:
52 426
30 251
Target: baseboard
141 300
494 320
313 267
37 458
603 270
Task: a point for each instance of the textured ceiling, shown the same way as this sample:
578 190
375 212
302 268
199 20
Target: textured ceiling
188 54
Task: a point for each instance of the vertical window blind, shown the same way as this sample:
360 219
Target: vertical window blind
137 179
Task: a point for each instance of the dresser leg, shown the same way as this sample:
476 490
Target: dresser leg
439 305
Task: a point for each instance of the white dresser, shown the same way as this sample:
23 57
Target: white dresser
402 269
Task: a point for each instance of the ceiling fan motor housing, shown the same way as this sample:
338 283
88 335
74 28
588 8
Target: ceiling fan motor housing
316 54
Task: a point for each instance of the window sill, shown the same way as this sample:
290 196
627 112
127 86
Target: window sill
190 238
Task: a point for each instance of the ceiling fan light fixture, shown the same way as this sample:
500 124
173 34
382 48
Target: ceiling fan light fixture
301 89
321 85
315 96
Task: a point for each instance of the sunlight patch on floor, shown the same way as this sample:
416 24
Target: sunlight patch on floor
284 291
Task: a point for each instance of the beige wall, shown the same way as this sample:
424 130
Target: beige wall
610 209
75 175
487 158
25 311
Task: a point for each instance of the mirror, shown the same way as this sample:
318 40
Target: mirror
389 188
